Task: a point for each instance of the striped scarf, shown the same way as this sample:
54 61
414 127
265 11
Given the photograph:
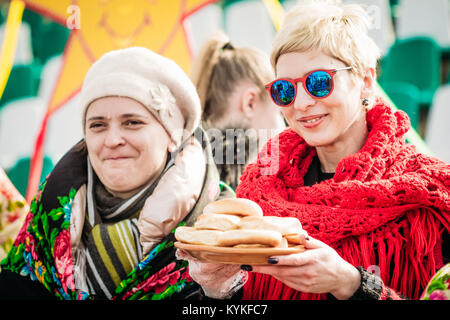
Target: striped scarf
110 247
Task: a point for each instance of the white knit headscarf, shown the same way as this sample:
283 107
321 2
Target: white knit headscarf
151 79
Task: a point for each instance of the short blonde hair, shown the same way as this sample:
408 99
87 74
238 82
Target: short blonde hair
220 67
338 30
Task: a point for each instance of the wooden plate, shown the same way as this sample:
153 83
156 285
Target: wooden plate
235 255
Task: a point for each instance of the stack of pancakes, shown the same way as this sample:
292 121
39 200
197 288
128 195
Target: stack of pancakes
240 223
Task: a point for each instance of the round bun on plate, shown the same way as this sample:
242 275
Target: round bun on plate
241 236
284 225
234 206
293 238
239 223
217 221
194 236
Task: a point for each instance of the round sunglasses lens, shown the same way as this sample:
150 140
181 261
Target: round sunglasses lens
283 92
319 84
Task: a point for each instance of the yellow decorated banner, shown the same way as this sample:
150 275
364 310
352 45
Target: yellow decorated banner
99 26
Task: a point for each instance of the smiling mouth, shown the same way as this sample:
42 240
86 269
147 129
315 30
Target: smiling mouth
312 119
117 158
124 39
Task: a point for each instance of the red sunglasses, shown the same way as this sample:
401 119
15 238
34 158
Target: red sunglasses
317 83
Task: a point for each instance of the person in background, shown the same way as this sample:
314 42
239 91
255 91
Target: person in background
375 209
236 111
100 226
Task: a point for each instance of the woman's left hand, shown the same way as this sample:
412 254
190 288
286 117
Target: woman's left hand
319 269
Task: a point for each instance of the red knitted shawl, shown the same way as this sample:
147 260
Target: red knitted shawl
387 205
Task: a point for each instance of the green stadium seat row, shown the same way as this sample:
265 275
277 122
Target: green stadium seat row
23 81
415 60
48 38
406 97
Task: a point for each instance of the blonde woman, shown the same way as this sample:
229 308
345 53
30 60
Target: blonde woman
236 111
376 210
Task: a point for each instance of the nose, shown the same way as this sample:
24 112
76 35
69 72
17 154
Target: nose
114 137
303 100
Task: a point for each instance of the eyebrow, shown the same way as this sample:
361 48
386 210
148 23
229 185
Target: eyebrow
125 115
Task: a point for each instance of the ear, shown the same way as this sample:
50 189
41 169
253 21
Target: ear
249 100
368 83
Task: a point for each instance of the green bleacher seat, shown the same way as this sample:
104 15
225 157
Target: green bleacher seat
2 13
416 60
406 97
34 20
51 41
48 37
22 82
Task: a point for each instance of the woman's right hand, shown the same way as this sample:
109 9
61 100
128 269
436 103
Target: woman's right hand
218 280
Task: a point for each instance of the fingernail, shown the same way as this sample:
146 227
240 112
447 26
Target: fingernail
246 267
272 260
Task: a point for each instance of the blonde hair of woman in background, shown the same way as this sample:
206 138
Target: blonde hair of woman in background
230 83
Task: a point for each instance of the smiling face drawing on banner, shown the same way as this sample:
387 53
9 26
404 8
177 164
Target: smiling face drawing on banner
100 26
